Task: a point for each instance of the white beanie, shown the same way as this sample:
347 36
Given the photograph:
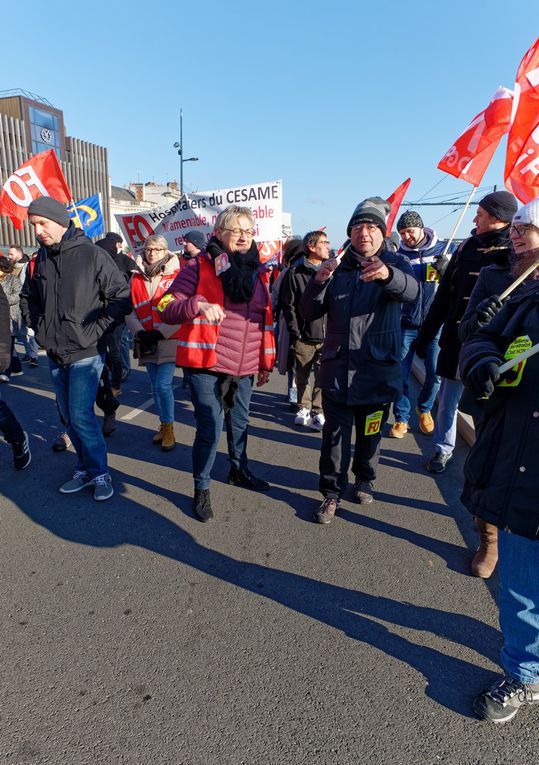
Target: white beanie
528 214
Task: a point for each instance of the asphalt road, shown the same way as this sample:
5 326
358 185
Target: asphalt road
132 633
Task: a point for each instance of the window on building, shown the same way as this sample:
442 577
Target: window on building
44 131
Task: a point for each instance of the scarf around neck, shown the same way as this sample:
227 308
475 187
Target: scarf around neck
238 280
153 269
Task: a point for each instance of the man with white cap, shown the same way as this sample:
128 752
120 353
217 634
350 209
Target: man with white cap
75 295
360 372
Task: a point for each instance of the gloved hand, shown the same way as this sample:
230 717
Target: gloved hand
148 336
421 347
440 264
488 308
481 378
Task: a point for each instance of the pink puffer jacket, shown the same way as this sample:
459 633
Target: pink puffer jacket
240 334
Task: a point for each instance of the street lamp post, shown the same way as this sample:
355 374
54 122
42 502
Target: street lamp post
179 147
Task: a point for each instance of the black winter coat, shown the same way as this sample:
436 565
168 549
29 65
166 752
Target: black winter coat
502 468
292 288
75 295
453 294
361 355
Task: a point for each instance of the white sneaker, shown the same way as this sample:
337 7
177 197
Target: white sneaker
317 422
303 417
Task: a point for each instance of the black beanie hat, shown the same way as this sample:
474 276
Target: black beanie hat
371 210
196 238
51 209
500 204
410 219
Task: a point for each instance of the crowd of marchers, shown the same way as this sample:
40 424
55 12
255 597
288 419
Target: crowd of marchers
348 327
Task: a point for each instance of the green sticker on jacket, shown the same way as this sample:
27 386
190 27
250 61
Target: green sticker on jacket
513 377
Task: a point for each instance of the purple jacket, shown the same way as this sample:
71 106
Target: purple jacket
240 334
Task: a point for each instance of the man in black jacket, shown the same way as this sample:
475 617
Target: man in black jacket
306 337
488 242
75 295
360 371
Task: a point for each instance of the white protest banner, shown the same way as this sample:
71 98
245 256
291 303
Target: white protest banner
199 212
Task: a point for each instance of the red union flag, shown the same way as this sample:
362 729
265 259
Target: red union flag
522 160
395 200
471 153
40 176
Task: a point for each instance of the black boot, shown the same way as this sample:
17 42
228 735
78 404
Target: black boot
246 479
202 505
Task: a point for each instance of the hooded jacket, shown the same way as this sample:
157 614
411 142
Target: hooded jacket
75 295
453 294
429 267
360 361
292 288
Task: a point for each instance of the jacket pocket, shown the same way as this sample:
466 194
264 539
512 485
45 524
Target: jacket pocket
80 332
384 347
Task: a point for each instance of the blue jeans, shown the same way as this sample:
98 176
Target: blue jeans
427 395
161 377
445 426
518 567
75 386
210 411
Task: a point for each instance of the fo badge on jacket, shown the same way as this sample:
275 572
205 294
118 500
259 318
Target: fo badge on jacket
373 423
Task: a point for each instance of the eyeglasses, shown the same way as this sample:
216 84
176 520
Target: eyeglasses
239 231
521 230
151 250
369 226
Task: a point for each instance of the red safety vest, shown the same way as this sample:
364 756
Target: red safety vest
145 306
197 339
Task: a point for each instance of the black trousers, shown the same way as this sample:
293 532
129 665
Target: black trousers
337 443
114 355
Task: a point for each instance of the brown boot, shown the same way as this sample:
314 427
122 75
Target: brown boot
168 442
159 435
486 557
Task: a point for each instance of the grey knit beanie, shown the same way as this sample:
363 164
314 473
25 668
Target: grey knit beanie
50 209
371 210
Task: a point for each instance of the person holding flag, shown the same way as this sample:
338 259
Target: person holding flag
502 472
489 241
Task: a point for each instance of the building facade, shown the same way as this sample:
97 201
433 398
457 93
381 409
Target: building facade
29 125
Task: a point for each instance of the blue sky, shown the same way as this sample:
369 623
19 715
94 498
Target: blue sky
341 100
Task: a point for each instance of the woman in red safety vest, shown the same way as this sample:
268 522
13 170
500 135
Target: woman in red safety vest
155 343
222 303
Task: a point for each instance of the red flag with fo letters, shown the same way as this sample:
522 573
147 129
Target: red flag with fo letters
522 161
40 176
471 153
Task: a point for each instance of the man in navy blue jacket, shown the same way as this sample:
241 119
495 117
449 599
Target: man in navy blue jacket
360 372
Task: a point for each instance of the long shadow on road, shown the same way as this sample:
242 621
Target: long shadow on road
355 613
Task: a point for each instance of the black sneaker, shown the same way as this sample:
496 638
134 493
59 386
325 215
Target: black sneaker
21 453
438 463
501 702
202 505
326 512
247 480
109 424
363 492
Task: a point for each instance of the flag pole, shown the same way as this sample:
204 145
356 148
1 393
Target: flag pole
507 365
73 205
519 280
457 224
